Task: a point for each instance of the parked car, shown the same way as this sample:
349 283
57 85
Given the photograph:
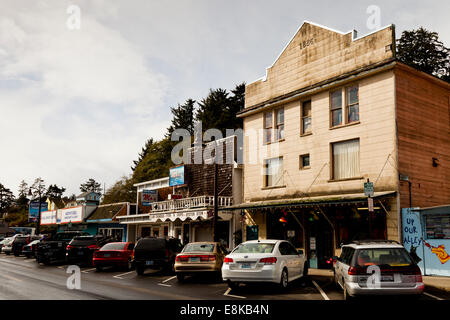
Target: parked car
2 243
200 257
156 253
30 249
7 244
81 248
116 254
398 273
275 261
54 249
20 242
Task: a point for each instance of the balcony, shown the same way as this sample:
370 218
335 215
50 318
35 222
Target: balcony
190 203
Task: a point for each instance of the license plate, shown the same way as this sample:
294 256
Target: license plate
246 266
149 263
387 278
107 255
194 259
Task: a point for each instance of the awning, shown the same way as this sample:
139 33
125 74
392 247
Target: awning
172 216
312 201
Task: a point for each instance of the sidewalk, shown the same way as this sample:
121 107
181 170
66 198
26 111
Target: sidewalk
441 283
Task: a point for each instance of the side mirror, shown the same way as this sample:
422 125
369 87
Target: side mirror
300 252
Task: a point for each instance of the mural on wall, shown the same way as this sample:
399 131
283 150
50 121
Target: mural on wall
412 236
439 251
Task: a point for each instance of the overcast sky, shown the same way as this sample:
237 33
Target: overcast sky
79 104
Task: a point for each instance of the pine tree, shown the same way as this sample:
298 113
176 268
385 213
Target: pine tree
54 192
6 199
91 186
148 145
183 117
421 49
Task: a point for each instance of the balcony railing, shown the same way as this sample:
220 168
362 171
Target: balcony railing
190 203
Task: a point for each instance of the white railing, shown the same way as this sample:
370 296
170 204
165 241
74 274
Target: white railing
190 203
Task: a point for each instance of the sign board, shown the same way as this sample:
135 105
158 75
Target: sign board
368 189
312 243
33 211
177 176
291 233
370 203
48 217
71 214
148 197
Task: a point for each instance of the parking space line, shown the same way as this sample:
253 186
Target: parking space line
171 278
60 267
320 290
123 274
434 297
164 285
88 270
227 293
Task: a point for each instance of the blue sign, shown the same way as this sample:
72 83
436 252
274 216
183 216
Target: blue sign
34 210
413 236
149 196
177 176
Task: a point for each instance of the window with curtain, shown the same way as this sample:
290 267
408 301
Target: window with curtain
306 117
268 123
273 172
336 107
280 123
346 159
352 104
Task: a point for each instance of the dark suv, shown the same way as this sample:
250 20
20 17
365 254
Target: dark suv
81 249
21 241
54 249
156 253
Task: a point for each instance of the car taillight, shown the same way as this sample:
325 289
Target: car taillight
271 260
181 258
353 271
69 247
93 247
205 258
418 273
227 260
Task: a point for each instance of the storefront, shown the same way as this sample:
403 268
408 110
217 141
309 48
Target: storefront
318 225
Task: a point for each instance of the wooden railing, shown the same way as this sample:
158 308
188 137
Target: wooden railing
190 203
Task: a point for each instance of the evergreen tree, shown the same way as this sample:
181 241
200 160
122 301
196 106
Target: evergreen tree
183 117
213 109
6 199
91 186
421 49
54 192
122 191
143 153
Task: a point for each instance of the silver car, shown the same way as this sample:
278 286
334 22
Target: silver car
275 261
377 268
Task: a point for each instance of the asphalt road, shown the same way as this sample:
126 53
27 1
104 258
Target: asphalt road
24 279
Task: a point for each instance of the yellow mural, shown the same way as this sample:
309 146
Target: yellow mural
440 252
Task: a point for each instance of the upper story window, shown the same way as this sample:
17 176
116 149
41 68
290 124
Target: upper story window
352 95
268 123
280 123
339 116
306 117
273 172
345 159
336 108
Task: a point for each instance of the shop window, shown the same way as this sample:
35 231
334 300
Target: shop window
280 124
252 233
304 161
268 123
352 98
437 226
306 117
336 108
345 159
273 172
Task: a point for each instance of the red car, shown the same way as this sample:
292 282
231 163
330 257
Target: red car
116 254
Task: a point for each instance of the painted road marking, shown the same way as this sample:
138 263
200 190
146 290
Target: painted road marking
430 295
171 278
164 285
60 267
320 290
227 293
88 270
123 274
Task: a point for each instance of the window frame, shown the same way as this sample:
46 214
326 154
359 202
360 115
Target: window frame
332 173
265 176
302 117
348 104
267 128
345 106
276 125
301 157
340 108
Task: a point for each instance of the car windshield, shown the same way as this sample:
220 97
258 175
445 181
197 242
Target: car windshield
151 244
113 246
199 247
254 248
394 257
83 241
66 236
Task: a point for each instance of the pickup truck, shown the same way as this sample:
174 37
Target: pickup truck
51 250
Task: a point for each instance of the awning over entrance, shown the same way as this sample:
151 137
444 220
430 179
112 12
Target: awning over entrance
312 201
172 216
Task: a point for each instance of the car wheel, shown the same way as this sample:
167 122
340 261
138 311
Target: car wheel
129 265
180 277
232 285
284 279
305 269
139 270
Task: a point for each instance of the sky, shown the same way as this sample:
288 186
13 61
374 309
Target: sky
79 103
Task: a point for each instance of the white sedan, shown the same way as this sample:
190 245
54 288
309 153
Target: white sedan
274 261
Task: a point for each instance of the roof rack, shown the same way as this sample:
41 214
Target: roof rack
374 241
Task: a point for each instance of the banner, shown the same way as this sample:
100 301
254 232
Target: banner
48 217
71 215
148 197
177 176
33 211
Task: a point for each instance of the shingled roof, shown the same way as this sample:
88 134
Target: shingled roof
107 212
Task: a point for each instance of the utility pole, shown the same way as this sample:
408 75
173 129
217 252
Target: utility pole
216 204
